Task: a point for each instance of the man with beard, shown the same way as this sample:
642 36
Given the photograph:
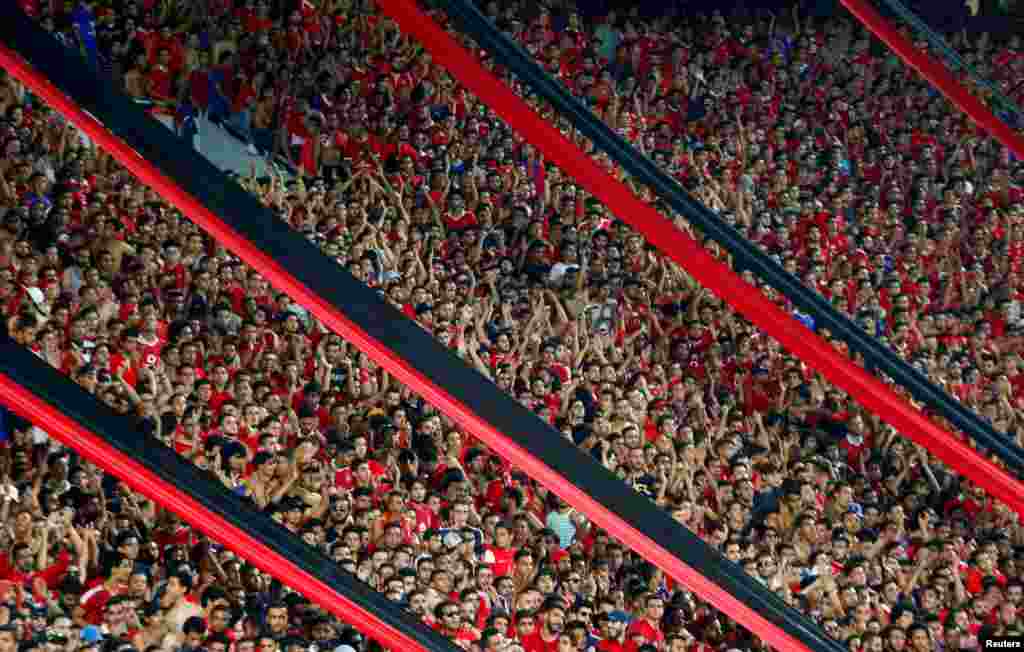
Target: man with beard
277 620
449 622
613 629
648 626
552 620
418 605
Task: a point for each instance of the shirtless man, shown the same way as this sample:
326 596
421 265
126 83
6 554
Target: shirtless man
135 81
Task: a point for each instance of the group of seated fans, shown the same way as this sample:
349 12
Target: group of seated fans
820 147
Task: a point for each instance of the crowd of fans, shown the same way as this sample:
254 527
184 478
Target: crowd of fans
829 154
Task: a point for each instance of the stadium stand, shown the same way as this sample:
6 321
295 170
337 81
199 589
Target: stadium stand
833 158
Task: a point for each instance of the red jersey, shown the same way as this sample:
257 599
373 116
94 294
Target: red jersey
464 221
160 79
151 352
94 601
52 574
975 577
649 632
607 645
536 643
501 559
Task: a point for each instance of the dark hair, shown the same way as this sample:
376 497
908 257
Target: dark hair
194 625
184 577
211 594
446 604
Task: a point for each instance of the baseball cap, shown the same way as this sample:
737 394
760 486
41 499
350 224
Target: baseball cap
618 617
91 634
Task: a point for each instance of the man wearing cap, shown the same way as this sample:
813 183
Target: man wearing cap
612 628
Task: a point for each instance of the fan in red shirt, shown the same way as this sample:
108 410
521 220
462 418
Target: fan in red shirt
649 626
260 21
165 41
552 623
972 501
29 7
448 622
161 78
613 630
984 566
457 218
27 566
857 442
500 555
176 274
95 600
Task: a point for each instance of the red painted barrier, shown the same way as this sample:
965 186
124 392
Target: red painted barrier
30 407
937 74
